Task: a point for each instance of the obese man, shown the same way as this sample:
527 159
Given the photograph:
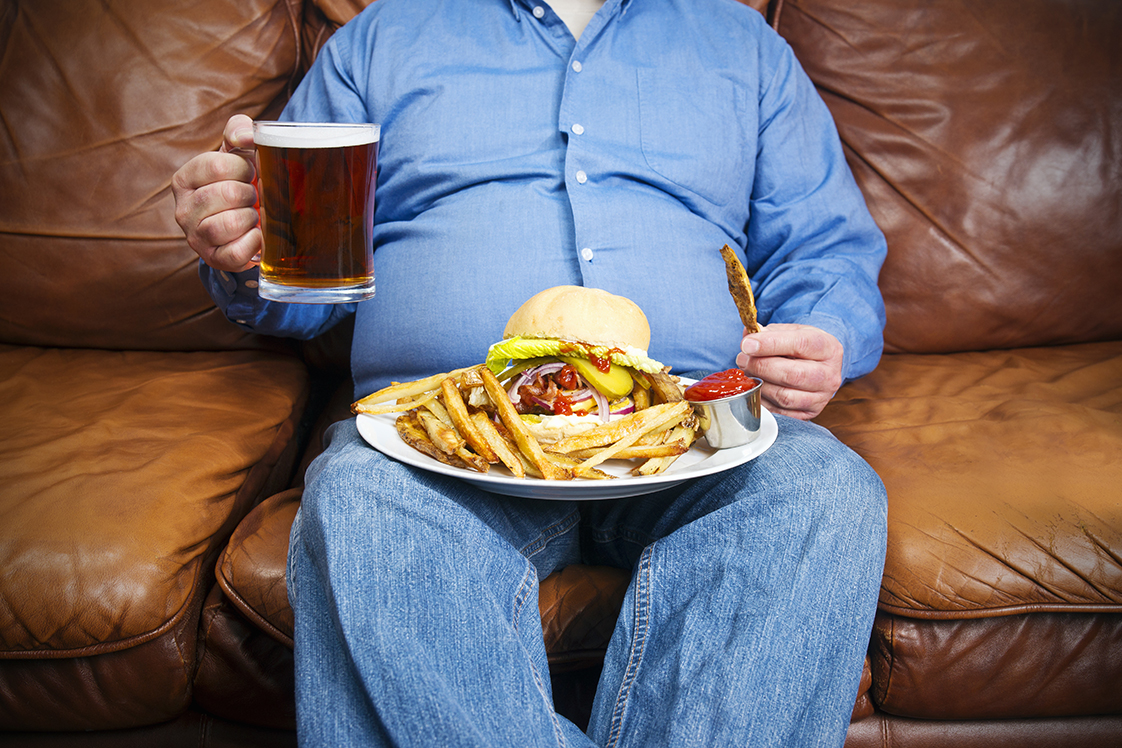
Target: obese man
530 144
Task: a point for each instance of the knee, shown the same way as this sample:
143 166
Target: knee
831 477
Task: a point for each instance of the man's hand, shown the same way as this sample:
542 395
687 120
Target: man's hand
214 199
801 367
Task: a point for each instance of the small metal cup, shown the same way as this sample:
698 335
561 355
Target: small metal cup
731 421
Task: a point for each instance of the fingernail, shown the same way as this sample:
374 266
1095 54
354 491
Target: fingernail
749 345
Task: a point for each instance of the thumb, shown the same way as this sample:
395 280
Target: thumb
238 134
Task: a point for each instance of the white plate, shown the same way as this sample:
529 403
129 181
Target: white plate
379 432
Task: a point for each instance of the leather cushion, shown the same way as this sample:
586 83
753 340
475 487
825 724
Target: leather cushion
579 604
887 731
1012 667
984 136
100 106
1002 471
122 474
243 674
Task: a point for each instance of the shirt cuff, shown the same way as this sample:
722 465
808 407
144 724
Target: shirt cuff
234 293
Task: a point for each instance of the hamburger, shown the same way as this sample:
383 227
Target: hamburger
571 358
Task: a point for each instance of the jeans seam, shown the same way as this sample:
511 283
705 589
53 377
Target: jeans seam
549 533
638 643
520 598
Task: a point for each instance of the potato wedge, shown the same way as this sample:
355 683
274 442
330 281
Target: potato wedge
411 432
446 439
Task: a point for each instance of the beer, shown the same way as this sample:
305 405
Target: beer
316 185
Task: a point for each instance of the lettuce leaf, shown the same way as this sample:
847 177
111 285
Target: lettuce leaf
502 353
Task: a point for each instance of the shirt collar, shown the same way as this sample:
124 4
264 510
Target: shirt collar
531 3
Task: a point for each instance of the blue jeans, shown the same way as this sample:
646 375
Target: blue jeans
745 623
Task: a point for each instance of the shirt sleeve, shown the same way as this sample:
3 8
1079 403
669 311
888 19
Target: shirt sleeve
236 295
813 248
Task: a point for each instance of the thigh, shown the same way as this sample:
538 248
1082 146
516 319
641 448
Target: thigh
354 494
806 477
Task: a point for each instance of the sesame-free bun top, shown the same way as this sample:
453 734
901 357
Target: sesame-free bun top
585 315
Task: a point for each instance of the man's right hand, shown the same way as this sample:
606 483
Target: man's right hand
214 199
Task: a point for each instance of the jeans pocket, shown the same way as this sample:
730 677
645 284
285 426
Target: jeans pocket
692 132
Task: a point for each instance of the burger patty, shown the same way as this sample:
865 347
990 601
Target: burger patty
551 394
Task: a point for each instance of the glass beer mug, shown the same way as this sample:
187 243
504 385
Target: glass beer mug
316 186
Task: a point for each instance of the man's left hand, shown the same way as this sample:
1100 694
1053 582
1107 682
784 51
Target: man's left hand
801 367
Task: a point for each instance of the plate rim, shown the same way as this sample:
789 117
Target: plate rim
577 489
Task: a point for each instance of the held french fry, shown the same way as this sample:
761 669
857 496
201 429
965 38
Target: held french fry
527 444
741 289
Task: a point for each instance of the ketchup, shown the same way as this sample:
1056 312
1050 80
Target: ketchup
721 385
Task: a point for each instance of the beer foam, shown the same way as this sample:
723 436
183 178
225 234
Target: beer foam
327 135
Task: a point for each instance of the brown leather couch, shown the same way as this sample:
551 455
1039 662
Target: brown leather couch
151 454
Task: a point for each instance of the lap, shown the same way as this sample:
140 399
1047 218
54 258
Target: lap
807 474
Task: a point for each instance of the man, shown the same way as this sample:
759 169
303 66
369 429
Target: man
516 157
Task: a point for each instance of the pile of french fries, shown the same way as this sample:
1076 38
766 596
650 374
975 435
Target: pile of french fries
465 418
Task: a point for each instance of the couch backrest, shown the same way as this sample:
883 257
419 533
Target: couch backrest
100 104
987 137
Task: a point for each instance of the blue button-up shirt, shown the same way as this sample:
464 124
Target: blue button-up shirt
515 158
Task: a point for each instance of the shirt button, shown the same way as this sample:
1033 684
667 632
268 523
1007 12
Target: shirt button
538 11
577 129
582 177
576 66
586 253
251 284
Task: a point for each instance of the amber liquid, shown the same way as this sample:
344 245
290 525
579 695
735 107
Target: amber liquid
317 215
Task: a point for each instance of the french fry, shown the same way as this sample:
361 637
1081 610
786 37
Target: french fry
435 407
641 396
412 434
672 413
474 461
638 451
393 406
470 378
685 435
399 390
457 411
506 452
665 388
573 464
527 444
741 289
619 428
445 439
